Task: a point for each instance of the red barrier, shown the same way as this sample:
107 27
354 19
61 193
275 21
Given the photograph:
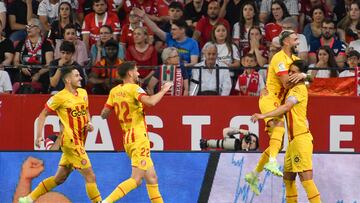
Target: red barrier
177 123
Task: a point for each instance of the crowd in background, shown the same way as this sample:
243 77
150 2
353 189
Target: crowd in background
171 40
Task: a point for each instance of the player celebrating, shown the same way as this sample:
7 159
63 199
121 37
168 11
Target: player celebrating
298 158
127 100
277 81
71 105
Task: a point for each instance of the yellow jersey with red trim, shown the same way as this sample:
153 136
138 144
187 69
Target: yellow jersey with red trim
125 100
279 65
72 111
297 116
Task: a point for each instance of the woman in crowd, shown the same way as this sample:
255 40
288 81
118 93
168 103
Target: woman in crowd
325 59
97 51
35 50
80 55
256 46
278 13
349 22
143 53
58 26
312 31
249 17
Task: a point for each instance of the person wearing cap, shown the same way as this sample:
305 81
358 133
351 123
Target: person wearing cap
277 82
104 75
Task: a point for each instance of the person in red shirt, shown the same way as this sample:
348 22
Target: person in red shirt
127 37
148 6
205 25
143 53
278 13
94 20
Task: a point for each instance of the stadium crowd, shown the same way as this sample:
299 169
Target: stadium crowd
239 36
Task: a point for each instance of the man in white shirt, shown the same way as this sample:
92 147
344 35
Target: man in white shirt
5 83
208 83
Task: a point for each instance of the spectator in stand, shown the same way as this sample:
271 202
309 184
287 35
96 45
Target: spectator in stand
5 82
163 7
48 12
93 22
326 59
127 37
97 50
143 53
80 55
228 53
176 12
194 11
203 28
328 39
250 83
85 8
353 63
188 48
349 22
355 45
249 17
308 5
58 25
292 6
34 50
177 74
312 31
273 26
208 84
148 6
67 50
341 8
104 75
6 50
230 11
256 46
291 24
20 12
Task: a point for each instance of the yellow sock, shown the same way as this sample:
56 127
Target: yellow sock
43 187
122 189
291 191
154 193
276 141
311 191
93 192
264 158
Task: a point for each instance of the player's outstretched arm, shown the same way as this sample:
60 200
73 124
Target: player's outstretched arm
275 113
40 125
154 99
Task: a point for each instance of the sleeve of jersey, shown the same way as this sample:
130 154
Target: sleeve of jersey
139 92
280 68
53 103
295 95
116 25
85 26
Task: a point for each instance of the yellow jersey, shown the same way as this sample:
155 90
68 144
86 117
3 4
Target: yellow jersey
296 117
72 111
279 65
125 100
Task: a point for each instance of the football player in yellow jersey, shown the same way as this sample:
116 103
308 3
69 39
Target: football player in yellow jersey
277 82
71 105
298 157
127 100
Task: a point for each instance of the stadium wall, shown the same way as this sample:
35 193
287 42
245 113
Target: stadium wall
178 123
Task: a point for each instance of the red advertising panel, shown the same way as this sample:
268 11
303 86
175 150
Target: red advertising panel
178 123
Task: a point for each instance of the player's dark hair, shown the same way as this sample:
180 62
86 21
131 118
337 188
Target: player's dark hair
125 67
65 71
301 64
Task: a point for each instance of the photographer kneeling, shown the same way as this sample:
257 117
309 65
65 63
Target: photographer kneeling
245 141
